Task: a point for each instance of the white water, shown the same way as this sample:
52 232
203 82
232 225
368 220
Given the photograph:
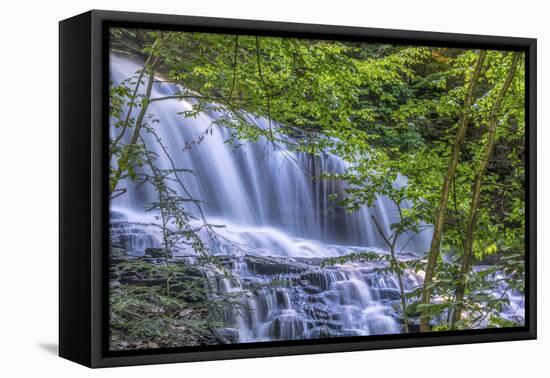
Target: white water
274 208
252 186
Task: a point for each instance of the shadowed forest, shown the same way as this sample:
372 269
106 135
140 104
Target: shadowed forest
267 189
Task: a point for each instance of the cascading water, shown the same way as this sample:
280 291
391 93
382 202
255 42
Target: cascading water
252 185
275 208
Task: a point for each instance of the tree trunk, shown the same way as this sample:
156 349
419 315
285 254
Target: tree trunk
132 104
476 191
442 209
137 128
145 105
402 294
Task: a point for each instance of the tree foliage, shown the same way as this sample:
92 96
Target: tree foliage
393 112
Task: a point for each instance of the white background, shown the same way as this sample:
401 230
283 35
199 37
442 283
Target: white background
29 187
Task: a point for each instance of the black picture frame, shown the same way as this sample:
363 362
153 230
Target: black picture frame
83 197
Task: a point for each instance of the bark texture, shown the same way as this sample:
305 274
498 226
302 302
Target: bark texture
476 190
444 199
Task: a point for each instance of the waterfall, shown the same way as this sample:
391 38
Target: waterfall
272 205
252 185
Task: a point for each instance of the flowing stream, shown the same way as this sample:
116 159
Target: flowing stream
275 208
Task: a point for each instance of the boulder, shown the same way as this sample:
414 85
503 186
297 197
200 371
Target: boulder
390 294
227 335
272 265
118 252
155 253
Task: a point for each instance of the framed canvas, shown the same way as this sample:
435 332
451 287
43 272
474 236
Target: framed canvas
234 188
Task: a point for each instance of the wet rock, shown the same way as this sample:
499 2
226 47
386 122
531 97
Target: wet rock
135 238
287 327
311 289
272 266
322 278
318 311
391 294
155 253
322 332
117 255
227 335
118 252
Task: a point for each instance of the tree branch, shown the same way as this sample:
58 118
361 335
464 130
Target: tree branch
265 87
